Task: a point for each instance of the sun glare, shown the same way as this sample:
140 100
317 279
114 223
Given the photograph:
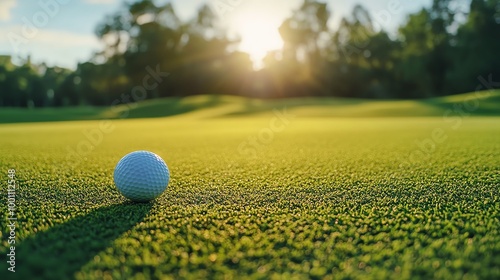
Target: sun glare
259 35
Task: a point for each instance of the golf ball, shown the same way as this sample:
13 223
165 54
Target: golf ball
141 176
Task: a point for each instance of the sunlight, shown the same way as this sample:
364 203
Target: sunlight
259 35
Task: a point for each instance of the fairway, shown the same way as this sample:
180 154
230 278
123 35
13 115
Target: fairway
261 196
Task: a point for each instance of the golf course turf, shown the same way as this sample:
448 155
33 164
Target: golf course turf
262 194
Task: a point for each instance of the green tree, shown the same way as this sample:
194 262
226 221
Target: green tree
477 47
305 36
427 56
364 58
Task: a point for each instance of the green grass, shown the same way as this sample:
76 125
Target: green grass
486 103
326 198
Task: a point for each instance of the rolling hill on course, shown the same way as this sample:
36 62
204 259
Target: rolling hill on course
485 103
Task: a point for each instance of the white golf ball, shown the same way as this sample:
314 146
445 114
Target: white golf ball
141 176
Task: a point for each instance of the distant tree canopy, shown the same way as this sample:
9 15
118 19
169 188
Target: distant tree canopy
438 51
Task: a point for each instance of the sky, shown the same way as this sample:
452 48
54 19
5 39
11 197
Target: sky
61 32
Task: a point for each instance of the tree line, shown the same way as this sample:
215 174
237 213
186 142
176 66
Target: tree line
439 50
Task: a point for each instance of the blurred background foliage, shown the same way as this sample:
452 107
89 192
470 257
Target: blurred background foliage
438 51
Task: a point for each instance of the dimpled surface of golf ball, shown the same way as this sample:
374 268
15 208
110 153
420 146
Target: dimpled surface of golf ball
141 176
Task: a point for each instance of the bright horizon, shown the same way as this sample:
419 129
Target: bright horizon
67 35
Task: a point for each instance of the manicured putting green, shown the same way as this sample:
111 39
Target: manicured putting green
253 198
